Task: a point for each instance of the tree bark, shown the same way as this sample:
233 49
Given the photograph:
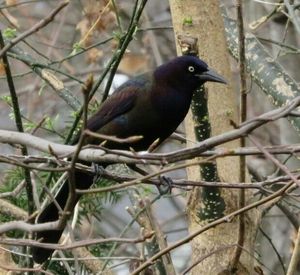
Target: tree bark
202 21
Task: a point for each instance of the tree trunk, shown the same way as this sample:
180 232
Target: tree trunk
201 20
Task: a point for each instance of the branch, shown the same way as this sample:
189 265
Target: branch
50 78
91 155
27 227
269 156
76 244
292 15
42 23
242 117
152 158
11 210
292 269
224 219
19 123
148 223
268 74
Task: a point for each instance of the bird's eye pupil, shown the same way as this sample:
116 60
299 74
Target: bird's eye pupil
191 69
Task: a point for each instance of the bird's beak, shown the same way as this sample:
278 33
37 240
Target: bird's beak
212 76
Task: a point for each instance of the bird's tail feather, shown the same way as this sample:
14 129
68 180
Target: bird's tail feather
51 213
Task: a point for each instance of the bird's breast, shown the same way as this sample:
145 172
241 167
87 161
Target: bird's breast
172 105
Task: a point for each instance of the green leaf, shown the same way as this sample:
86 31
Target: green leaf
29 125
50 122
7 99
76 48
9 33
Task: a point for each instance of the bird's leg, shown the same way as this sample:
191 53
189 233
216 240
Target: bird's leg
99 171
166 185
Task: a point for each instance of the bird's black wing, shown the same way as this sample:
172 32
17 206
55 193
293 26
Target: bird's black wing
120 102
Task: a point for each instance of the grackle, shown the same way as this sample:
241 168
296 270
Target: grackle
151 105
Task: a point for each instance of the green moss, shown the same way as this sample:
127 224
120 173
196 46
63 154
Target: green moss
188 21
213 205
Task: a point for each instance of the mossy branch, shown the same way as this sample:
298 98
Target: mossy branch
268 74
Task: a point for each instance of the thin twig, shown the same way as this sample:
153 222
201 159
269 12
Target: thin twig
71 173
147 223
243 116
75 244
15 192
149 176
294 18
274 248
269 156
42 23
218 250
227 218
12 161
113 63
102 137
292 269
19 125
257 23
24 270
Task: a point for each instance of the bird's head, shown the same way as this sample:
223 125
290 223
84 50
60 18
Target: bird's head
188 72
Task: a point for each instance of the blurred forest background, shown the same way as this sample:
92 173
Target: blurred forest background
81 40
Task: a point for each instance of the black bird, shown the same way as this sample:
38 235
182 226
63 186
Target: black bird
151 105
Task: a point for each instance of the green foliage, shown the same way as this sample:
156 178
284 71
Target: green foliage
90 205
9 33
117 35
76 49
69 126
50 122
74 114
57 268
94 107
29 125
147 190
6 99
11 116
94 203
12 179
100 250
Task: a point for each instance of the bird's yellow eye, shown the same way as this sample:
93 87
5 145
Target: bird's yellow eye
191 69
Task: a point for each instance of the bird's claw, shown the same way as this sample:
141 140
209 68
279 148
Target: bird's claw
166 185
98 171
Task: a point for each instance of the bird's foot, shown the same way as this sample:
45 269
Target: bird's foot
99 171
166 185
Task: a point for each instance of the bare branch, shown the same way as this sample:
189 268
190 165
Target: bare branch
76 244
45 21
292 269
128 157
227 218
